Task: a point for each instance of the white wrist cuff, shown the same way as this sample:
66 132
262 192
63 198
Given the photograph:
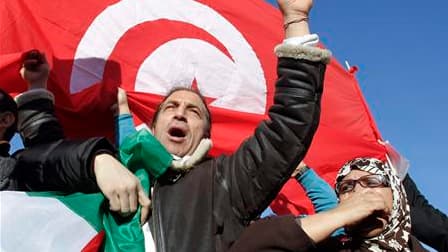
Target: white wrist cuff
306 40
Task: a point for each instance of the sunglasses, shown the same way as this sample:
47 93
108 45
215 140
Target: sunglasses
367 181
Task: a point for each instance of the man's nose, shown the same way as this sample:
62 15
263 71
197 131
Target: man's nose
180 113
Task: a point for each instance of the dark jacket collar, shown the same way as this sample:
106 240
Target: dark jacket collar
4 149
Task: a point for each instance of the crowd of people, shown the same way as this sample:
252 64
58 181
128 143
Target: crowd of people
202 203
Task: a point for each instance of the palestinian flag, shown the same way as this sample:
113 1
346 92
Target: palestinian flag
50 221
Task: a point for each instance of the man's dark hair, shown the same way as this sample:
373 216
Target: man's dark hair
7 104
208 119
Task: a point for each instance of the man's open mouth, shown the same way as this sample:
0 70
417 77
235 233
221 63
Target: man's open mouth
177 132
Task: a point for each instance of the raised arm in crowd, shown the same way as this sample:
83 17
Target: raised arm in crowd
49 162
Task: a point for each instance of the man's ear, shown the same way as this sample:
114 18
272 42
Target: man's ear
151 129
7 119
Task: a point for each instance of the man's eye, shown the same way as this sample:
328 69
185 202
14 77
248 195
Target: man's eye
196 112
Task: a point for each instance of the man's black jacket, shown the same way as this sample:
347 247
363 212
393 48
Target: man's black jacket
208 208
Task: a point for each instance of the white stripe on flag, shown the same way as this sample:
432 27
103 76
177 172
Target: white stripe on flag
29 223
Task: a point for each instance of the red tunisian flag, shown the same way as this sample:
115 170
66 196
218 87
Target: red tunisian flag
223 47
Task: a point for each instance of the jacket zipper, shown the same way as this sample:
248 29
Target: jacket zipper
158 236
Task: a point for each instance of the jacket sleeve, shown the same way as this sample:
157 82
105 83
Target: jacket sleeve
321 194
37 123
429 225
124 127
63 165
49 162
255 173
282 233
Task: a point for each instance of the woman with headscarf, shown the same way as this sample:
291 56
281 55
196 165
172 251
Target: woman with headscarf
372 208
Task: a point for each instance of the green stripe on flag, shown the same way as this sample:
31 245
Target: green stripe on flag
143 155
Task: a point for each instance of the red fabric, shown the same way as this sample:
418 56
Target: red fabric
94 244
346 129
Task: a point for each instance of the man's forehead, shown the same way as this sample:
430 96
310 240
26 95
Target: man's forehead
185 96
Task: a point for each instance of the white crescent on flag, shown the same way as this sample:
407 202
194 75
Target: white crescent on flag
236 82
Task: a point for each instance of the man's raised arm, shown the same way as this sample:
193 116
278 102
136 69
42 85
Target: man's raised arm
263 163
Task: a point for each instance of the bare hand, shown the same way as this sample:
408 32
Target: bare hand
293 9
122 97
121 107
35 69
360 205
122 188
